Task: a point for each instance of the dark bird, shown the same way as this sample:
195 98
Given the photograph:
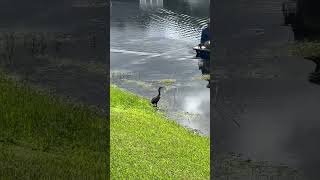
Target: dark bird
156 99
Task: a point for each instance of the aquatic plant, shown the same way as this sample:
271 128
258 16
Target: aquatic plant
139 83
203 77
167 81
307 49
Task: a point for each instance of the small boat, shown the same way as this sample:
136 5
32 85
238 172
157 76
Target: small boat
202 51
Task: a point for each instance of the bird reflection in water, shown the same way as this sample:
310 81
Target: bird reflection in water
204 66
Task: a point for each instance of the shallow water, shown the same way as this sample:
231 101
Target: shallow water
152 42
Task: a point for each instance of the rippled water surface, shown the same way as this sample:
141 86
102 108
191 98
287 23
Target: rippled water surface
151 46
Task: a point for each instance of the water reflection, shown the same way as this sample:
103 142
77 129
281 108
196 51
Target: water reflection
150 4
155 40
279 120
303 17
314 76
204 66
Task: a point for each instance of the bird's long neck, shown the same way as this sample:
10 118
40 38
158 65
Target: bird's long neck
159 92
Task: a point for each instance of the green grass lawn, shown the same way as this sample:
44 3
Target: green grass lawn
146 145
45 137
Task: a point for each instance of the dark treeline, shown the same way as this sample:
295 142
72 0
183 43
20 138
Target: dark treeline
304 18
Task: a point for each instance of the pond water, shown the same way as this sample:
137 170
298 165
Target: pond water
264 88
151 45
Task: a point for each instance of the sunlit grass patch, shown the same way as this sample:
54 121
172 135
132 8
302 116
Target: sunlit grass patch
146 145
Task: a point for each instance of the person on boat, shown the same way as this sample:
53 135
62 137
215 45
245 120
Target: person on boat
205 35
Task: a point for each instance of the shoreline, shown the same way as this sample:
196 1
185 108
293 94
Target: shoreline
135 143
231 164
147 136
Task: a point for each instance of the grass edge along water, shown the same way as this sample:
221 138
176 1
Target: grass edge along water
147 145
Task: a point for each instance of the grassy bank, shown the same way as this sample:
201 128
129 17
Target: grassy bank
145 145
45 137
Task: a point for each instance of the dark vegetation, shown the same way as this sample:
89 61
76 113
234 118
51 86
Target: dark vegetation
52 56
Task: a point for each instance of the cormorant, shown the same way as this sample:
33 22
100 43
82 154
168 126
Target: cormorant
156 99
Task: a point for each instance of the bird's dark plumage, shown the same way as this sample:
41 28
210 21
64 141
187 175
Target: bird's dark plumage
156 99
